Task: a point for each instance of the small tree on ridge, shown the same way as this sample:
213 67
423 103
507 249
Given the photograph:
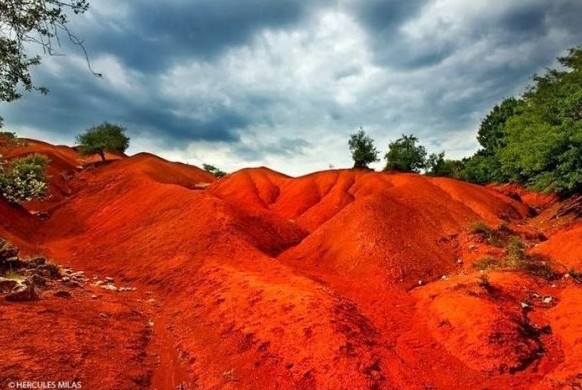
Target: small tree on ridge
362 149
106 137
405 155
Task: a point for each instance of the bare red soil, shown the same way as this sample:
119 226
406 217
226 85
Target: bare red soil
340 279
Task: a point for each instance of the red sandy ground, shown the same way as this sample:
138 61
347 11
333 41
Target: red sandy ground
333 280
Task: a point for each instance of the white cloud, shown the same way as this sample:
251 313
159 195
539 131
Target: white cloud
292 92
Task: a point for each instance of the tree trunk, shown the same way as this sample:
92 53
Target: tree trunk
102 154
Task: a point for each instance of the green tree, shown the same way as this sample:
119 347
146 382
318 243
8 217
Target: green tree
218 173
491 134
25 24
106 137
437 165
544 138
405 155
479 167
362 149
23 179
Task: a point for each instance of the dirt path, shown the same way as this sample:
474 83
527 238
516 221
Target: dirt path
168 373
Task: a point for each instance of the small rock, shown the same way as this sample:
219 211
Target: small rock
22 293
78 274
37 261
525 306
444 277
65 279
109 279
37 280
63 294
459 261
420 282
94 296
6 285
49 270
553 286
74 283
99 283
547 300
109 287
102 315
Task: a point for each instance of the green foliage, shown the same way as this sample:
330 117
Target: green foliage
213 170
481 168
535 140
8 139
486 263
105 137
515 250
23 179
491 134
490 235
362 149
518 259
28 23
405 155
437 165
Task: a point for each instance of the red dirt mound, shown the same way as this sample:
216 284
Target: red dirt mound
266 281
397 228
17 225
564 247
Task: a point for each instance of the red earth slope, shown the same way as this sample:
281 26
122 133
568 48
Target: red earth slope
336 280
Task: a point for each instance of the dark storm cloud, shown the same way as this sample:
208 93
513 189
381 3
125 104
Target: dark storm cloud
288 80
283 147
82 102
153 35
383 17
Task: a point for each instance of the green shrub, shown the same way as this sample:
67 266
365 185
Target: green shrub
490 235
486 263
517 259
9 139
23 179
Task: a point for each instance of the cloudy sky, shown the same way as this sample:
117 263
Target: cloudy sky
283 83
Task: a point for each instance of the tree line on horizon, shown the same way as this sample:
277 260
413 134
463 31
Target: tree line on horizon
534 140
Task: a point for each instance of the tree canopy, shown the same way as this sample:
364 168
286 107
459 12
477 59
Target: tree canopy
535 140
362 149
106 137
218 173
27 23
405 155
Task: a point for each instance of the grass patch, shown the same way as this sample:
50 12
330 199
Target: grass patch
518 259
13 275
490 235
486 263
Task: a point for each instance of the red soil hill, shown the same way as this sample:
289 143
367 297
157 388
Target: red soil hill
266 281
